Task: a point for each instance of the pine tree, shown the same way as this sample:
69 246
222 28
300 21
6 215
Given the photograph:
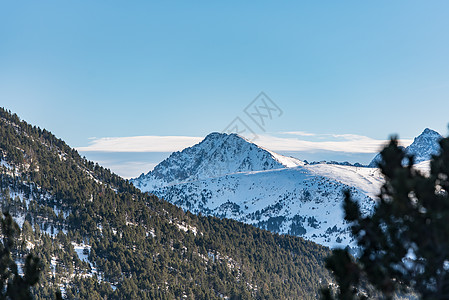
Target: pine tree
404 243
12 285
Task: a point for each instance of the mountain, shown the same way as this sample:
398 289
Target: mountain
423 147
273 192
100 238
303 201
217 155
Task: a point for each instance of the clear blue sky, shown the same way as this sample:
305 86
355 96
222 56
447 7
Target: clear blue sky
87 69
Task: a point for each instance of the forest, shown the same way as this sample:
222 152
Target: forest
133 244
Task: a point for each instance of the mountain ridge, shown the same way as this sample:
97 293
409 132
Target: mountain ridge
218 154
303 199
422 148
101 238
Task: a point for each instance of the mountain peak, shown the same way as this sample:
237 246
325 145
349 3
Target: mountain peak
423 147
221 136
429 131
216 135
216 155
428 134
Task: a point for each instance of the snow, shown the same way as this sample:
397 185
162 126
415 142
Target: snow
20 266
53 262
5 164
423 166
217 155
423 147
64 213
151 232
52 230
368 180
262 196
186 228
79 249
227 176
288 162
20 219
30 245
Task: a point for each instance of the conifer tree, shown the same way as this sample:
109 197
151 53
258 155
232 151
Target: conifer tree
404 243
12 284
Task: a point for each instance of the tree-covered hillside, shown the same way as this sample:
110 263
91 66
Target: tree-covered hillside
99 237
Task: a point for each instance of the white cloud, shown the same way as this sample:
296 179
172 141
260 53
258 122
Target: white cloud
349 143
130 156
299 133
141 144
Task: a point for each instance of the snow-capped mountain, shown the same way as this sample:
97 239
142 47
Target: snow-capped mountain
227 176
217 155
303 200
423 147
98 237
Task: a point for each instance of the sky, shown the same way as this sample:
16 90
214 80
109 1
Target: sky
127 83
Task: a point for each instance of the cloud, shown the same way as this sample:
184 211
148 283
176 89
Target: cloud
299 133
140 144
131 156
349 143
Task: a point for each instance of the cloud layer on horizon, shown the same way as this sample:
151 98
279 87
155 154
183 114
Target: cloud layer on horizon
150 143
349 143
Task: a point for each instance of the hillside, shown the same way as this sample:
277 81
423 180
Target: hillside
100 237
273 192
423 147
217 155
303 201
278 193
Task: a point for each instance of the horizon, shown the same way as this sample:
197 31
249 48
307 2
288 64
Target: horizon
108 152
301 79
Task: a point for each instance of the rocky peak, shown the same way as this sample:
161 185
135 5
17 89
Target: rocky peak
217 155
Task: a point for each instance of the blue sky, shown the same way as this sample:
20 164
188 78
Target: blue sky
89 70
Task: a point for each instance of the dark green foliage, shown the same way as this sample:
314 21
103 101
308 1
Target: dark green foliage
141 247
405 242
347 274
12 284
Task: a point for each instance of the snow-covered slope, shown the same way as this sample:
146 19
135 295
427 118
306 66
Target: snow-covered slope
217 155
227 176
423 147
303 201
